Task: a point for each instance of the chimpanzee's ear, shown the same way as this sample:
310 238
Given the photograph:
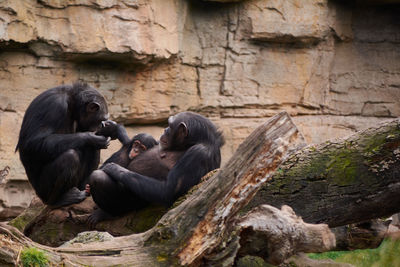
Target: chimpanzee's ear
92 107
137 148
140 145
183 130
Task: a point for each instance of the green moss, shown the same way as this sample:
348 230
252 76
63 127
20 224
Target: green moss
385 255
252 261
374 144
19 222
146 218
162 257
28 215
342 167
314 170
32 257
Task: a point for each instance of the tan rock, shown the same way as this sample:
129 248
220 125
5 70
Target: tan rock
96 26
288 21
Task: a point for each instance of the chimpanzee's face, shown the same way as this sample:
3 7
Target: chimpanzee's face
137 148
166 137
174 136
93 115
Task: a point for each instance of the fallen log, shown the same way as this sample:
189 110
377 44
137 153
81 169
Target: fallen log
340 182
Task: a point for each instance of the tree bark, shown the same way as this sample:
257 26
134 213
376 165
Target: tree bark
342 181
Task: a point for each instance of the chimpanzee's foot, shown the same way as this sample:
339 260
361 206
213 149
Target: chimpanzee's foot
97 216
72 196
87 190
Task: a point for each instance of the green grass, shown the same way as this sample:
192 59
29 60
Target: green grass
32 257
387 254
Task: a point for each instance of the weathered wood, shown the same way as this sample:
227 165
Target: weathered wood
282 234
204 222
340 182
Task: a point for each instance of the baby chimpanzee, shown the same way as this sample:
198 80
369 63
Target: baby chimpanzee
125 157
139 143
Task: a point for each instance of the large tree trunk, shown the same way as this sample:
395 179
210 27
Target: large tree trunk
207 227
340 182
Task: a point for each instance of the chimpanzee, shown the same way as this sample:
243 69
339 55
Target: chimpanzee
189 148
130 150
57 142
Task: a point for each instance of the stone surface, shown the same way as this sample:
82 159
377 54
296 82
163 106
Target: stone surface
334 66
288 21
88 237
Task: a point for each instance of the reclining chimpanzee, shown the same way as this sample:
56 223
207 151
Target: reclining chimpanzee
189 149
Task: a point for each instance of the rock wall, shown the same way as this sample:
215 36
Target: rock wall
333 65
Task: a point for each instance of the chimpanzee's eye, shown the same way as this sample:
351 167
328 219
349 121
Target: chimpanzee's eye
166 131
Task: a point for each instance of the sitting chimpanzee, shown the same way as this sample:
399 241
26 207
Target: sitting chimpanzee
57 142
189 148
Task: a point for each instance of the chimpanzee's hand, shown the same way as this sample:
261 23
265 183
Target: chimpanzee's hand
114 170
109 129
97 141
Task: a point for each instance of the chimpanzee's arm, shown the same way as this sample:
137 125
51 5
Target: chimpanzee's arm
122 135
187 172
52 145
47 129
114 130
120 157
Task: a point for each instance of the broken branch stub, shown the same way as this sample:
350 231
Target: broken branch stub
281 233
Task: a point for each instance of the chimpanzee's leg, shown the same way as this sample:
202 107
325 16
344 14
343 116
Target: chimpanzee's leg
91 157
112 197
59 180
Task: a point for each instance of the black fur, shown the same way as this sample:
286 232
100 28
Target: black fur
57 144
121 156
191 144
